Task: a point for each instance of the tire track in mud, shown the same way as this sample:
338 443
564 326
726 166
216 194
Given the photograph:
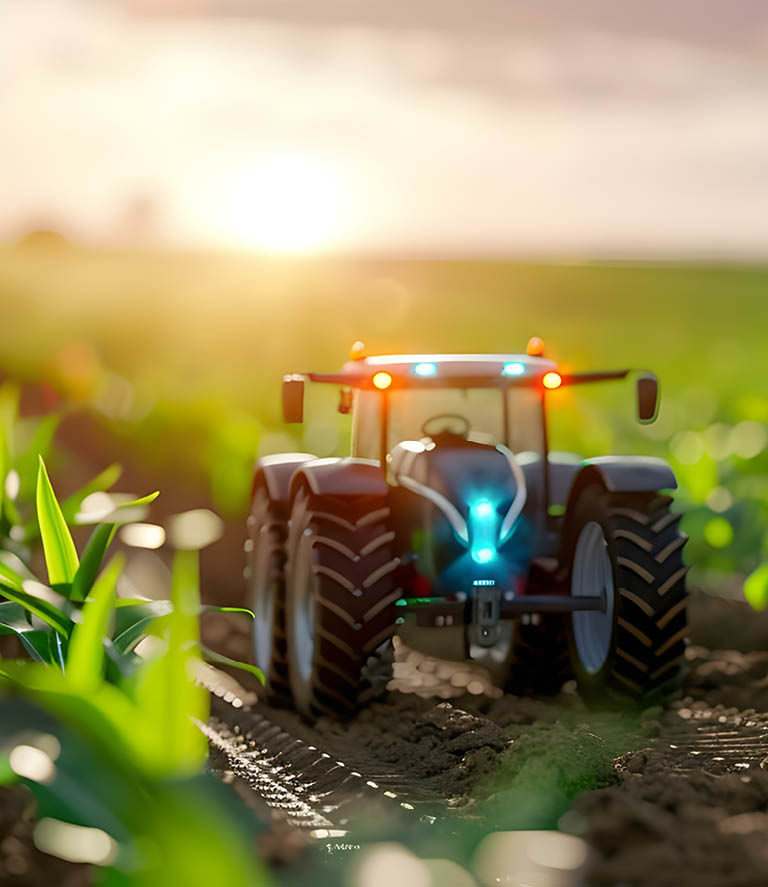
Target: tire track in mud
300 782
648 791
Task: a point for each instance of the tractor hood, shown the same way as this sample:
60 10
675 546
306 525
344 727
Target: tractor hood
479 488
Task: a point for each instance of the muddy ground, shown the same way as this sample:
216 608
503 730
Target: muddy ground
673 796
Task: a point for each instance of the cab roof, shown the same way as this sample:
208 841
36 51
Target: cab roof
450 365
437 370
455 371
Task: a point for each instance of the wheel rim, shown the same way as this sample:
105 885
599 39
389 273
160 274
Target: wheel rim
593 575
262 598
303 610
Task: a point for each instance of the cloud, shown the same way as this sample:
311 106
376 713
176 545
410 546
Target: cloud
738 23
433 139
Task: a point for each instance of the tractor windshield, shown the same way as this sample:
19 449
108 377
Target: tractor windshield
491 415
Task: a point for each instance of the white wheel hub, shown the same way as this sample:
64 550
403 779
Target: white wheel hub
593 575
262 600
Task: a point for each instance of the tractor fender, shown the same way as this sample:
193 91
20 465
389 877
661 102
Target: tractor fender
347 476
622 474
275 472
616 474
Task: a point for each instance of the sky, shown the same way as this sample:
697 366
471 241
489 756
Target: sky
500 127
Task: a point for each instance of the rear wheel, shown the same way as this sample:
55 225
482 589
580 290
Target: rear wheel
627 548
266 595
340 599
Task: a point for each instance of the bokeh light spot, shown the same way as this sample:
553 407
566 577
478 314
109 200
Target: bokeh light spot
718 532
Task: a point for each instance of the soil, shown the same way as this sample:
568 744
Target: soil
21 863
665 796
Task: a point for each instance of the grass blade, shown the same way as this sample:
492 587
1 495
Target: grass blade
58 547
85 660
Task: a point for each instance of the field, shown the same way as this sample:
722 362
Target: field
182 354
171 365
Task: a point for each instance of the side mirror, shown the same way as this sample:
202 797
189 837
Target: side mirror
647 398
293 398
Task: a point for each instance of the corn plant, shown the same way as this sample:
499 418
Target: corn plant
131 752
43 617
135 779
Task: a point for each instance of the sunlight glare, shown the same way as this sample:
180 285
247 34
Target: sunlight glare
287 203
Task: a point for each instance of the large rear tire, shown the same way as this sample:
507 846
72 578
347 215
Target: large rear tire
266 595
340 598
627 547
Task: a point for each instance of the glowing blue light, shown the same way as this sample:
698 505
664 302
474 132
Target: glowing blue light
425 369
515 368
483 509
482 522
482 555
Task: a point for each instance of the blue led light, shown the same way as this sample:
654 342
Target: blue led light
425 369
482 555
514 368
482 522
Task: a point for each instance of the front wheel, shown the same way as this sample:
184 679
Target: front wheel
340 599
627 549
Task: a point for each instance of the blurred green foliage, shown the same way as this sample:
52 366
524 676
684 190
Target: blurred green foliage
183 353
128 774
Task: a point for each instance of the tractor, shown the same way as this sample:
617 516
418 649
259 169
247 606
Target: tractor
452 525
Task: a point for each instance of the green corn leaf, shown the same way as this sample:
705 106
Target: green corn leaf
38 644
42 609
10 576
93 554
102 482
97 546
209 608
165 690
58 647
145 500
133 620
13 620
85 661
218 659
58 547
